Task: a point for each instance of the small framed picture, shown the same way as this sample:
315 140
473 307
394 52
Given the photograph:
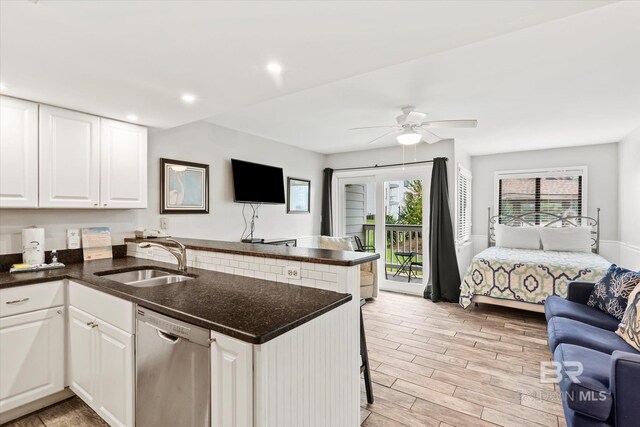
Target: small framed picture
298 195
184 187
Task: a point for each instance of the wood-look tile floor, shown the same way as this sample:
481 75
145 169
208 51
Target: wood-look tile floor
72 412
439 365
432 365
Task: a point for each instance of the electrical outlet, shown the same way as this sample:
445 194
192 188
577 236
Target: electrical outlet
164 223
292 272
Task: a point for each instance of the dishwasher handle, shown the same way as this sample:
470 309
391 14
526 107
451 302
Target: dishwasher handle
172 339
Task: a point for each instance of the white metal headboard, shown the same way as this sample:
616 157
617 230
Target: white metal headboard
550 219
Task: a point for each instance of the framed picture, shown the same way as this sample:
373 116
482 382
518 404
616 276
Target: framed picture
298 195
184 187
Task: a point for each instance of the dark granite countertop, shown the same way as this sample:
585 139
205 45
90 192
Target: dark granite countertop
321 256
252 310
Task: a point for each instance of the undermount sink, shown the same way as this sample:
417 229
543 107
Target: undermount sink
146 278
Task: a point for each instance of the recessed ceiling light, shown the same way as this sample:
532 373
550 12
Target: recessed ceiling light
274 68
2 86
132 117
188 98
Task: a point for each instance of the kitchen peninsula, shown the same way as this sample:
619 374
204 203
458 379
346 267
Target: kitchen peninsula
268 331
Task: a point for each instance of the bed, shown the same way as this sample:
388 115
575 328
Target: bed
525 278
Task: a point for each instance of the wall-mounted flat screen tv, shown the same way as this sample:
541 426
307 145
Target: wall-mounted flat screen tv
256 183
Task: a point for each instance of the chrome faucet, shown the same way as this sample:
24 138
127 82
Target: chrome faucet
180 252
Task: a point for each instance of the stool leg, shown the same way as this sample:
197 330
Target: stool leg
365 361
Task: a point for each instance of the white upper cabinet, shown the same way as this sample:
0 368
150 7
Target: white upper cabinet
51 157
18 153
123 168
69 159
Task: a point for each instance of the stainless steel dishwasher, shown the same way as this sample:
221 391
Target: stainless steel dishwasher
173 386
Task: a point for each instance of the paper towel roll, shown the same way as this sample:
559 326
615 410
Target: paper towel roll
33 245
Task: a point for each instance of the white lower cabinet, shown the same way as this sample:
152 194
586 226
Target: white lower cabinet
232 382
81 355
101 362
114 375
31 356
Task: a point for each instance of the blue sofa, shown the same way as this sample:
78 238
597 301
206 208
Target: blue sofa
608 391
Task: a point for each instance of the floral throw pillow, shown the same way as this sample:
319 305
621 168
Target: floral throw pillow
629 328
611 292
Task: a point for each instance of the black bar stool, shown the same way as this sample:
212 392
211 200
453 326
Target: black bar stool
364 356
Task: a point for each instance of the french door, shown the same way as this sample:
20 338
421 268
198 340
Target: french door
388 211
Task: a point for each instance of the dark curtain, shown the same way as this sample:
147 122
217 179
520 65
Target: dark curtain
444 276
326 224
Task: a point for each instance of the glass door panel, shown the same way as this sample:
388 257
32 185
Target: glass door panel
403 205
359 212
385 213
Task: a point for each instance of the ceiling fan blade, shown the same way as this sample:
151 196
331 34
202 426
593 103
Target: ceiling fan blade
374 127
415 117
429 137
382 136
451 124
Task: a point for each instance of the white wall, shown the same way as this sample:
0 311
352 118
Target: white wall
56 222
602 185
214 145
629 198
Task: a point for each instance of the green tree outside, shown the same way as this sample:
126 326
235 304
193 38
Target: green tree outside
411 210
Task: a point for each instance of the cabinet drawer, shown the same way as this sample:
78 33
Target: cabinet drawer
108 308
22 299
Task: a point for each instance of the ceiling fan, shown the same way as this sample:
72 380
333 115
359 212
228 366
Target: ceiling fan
412 128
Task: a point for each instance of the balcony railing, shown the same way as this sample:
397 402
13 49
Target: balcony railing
399 238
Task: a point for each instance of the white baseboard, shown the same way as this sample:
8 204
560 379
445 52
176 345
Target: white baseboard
20 411
629 256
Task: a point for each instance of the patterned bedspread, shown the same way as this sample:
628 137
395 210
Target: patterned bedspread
528 275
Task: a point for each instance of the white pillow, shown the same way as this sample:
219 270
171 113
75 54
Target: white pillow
568 239
336 243
517 237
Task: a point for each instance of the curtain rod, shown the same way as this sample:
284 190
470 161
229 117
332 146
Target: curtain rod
390 165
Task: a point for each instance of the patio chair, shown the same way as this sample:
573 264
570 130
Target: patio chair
363 248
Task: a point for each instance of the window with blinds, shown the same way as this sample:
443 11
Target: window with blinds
558 192
463 232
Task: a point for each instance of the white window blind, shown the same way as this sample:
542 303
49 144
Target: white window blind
558 192
464 205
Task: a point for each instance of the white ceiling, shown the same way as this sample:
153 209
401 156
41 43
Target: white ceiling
118 58
573 81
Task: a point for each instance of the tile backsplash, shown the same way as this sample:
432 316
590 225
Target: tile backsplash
321 276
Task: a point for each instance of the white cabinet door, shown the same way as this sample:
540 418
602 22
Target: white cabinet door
81 356
31 356
231 382
18 153
115 376
100 360
123 170
69 159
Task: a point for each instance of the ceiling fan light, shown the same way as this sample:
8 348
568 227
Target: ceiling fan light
409 138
